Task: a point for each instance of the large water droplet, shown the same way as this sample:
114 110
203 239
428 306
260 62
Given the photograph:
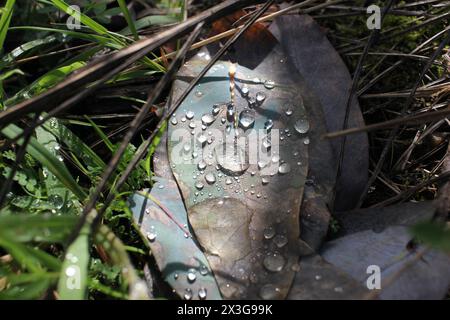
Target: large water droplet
274 262
232 160
210 178
284 168
268 125
201 165
208 119
151 234
191 276
260 97
269 233
302 126
230 113
269 84
247 119
280 240
188 294
199 186
245 91
202 139
269 292
202 293
216 109
56 200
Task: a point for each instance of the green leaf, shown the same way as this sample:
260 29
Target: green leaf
10 73
434 234
37 151
43 228
5 20
72 284
84 19
127 15
161 216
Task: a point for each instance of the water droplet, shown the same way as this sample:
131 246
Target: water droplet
190 114
231 159
269 292
202 293
228 181
265 180
269 84
174 121
268 125
245 91
302 126
199 185
201 165
71 271
151 234
269 233
175 276
260 97
203 270
60 158
266 143
192 125
230 112
284 168
318 277
256 80
56 200
289 112
306 141
251 102
57 147
198 94
276 158
188 294
187 147
210 178
161 186
274 262
216 109
280 240
194 155
247 119
183 119
202 139
261 164
208 119
191 276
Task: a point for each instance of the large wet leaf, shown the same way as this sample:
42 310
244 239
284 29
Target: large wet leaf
328 78
163 220
425 278
243 202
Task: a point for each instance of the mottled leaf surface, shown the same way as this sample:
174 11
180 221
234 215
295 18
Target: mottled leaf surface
247 227
161 216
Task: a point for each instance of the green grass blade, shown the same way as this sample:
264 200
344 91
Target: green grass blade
128 18
72 283
5 20
55 166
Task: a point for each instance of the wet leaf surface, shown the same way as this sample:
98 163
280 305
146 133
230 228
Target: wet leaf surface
162 217
427 278
328 78
244 215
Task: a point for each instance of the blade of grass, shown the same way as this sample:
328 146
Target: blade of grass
128 18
